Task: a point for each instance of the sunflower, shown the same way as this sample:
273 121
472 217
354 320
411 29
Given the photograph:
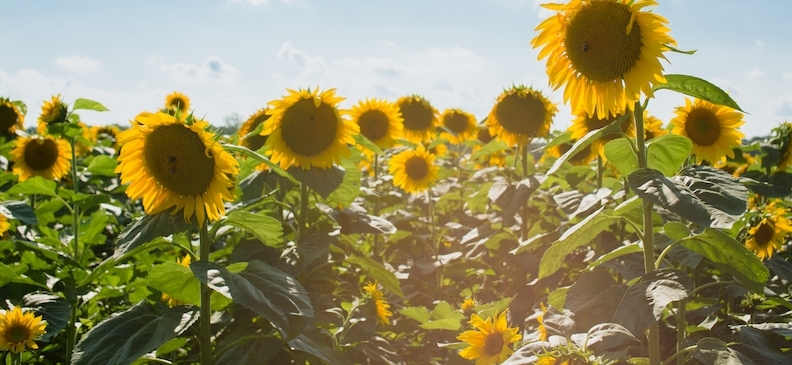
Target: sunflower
783 139
543 336
381 305
172 164
520 114
489 341
254 142
735 167
767 237
413 170
53 111
19 330
46 156
173 302
582 158
468 305
420 118
106 133
11 117
605 52
4 224
583 124
712 128
177 101
379 120
83 148
459 125
653 127
305 129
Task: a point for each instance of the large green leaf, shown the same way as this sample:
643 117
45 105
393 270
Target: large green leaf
667 153
349 189
712 351
698 88
14 209
126 336
263 289
353 221
620 153
493 146
86 104
52 308
150 227
365 142
177 281
103 166
253 154
7 274
377 272
616 253
310 343
606 337
665 286
731 256
613 128
267 229
778 185
35 185
322 181
307 249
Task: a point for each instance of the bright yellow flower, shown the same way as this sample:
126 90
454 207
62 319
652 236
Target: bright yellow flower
420 118
459 125
379 120
604 52
582 158
653 127
489 341
543 336
46 156
4 224
413 170
11 117
53 111
177 101
381 305
254 142
583 124
19 330
171 164
172 302
305 129
767 237
468 304
520 114
712 129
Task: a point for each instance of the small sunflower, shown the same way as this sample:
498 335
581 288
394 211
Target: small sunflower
712 129
468 304
521 114
767 237
52 112
420 118
173 302
413 170
46 156
381 305
19 330
604 52
106 133
4 224
172 164
306 129
582 158
459 125
653 127
489 341
379 120
254 142
83 148
583 124
177 101
11 117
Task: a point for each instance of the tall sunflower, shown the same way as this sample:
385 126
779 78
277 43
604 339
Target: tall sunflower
489 341
306 129
177 101
19 330
520 114
53 111
420 118
768 235
379 120
171 301
459 125
172 164
583 124
413 170
382 308
653 127
712 128
46 156
11 117
604 52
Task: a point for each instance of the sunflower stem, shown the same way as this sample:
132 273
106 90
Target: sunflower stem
681 327
301 225
206 309
71 331
376 202
75 210
433 237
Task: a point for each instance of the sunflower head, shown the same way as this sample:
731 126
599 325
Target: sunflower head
582 158
172 163
583 124
458 126
4 224
521 114
420 118
19 330
253 142
53 111
467 306
413 170
171 301
489 342
306 129
767 235
653 127
46 156
381 306
543 336
604 52
177 101
11 117
783 140
712 129
379 120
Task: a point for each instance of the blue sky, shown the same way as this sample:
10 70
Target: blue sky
234 56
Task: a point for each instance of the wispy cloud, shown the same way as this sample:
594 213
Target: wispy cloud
213 69
78 63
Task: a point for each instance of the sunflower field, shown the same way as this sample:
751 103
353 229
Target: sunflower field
394 233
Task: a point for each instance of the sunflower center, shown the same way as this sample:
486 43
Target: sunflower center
177 103
17 334
416 168
41 154
484 135
493 344
703 127
8 117
764 234
308 130
520 114
373 125
177 158
417 117
456 123
257 141
597 42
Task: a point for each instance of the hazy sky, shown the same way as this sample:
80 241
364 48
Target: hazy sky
235 56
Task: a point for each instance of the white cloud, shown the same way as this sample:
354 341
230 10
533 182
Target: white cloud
756 73
213 69
78 63
759 43
787 75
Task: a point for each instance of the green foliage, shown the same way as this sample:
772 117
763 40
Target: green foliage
698 88
86 104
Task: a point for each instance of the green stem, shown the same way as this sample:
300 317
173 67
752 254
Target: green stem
600 168
206 306
376 202
301 225
71 331
524 224
664 253
433 237
681 328
678 354
76 209
709 285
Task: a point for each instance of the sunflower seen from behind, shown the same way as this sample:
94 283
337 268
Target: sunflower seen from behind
459 126
52 112
414 171
176 164
379 121
490 340
767 235
712 129
520 115
45 156
20 329
420 118
11 118
604 52
381 306
306 129
177 101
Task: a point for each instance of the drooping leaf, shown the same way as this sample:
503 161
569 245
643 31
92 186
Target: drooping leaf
713 351
698 88
620 154
14 209
267 229
420 314
322 181
86 104
665 286
609 336
52 308
253 154
177 281
365 142
763 347
150 227
676 230
667 153
309 343
355 222
618 252
493 146
613 128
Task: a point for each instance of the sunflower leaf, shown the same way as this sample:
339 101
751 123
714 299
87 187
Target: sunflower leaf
377 272
620 154
35 185
253 154
267 229
87 104
714 351
150 227
698 88
778 185
667 153
20 211
494 146
21 105
677 50
52 308
103 166
614 128
322 181
365 142
349 189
